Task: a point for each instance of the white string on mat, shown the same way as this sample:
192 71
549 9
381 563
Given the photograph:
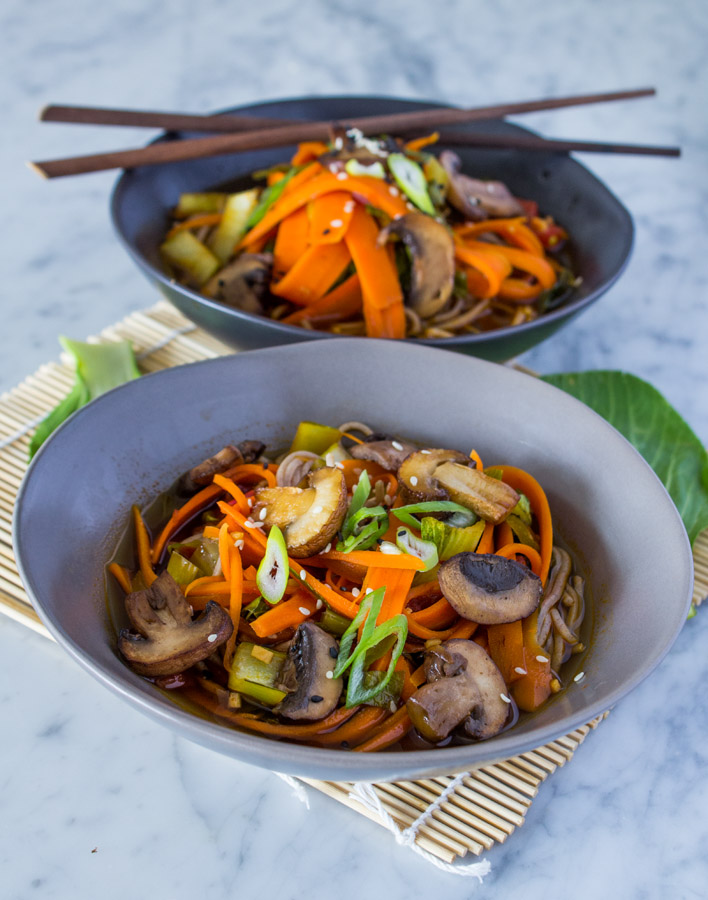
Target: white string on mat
364 792
297 786
21 432
168 338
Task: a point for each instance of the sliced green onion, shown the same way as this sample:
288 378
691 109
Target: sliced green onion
450 540
405 513
410 543
373 170
181 569
411 180
359 497
273 571
371 601
268 198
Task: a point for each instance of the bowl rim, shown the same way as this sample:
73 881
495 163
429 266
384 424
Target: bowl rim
567 310
335 764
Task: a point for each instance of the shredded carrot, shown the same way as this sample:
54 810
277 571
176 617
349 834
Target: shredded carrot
194 222
392 730
290 242
418 677
506 647
376 559
286 614
526 484
356 730
418 143
227 484
307 151
181 516
438 615
514 231
313 274
120 574
341 302
235 604
142 539
225 544
427 634
329 217
252 471
503 535
477 459
205 581
510 551
487 268
486 542
464 629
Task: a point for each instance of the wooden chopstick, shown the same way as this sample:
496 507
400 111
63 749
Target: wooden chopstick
94 115
559 145
263 138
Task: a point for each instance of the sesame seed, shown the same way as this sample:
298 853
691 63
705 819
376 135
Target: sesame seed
355 592
342 176
329 460
390 549
304 610
388 499
263 513
396 445
579 676
319 604
542 659
348 206
393 191
249 523
239 544
368 591
336 223
315 698
333 652
316 509
392 706
425 452
258 524
303 574
329 674
520 671
505 698
250 502
327 548
339 465
414 480
212 638
410 206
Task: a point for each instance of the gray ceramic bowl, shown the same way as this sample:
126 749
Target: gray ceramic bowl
601 228
132 443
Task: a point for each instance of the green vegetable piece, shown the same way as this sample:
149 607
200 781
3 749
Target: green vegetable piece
233 223
334 623
450 540
197 204
405 514
522 531
387 695
438 180
268 198
522 509
255 676
494 472
314 438
410 543
99 368
409 176
373 170
206 555
181 569
335 452
639 412
189 254
274 569
256 608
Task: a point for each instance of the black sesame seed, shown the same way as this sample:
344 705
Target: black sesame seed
344 745
333 652
326 231
315 698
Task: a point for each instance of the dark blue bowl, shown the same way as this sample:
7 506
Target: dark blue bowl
601 229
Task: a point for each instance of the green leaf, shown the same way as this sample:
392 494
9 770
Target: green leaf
639 412
77 397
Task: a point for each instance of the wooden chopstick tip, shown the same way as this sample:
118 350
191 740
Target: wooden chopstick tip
37 169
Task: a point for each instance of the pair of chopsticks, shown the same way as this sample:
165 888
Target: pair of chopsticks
239 133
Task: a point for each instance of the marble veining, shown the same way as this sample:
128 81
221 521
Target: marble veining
96 800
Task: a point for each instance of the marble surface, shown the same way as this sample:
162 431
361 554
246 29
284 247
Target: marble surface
95 800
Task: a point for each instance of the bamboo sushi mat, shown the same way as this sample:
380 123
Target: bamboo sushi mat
445 818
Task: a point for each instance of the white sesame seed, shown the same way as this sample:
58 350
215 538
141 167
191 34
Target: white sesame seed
505 698
392 706
250 502
388 499
414 480
389 548
348 206
304 610
368 591
329 460
212 638
329 674
410 206
319 604
303 574
258 524
339 465
520 671
396 445
336 223
263 513
355 592
542 659
239 544
328 547
342 176
316 509
393 191
338 143
249 523
425 452
579 676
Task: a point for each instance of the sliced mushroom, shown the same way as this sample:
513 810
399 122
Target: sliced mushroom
490 498
433 260
477 199
489 589
417 477
231 455
464 687
388 454
169 641
311 658
310 517
243 282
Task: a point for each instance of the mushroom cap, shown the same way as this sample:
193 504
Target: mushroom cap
242 282
489 589
433 260
169 641
464 687
311 694
389 454
474 198
231 455
310 517
416 474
